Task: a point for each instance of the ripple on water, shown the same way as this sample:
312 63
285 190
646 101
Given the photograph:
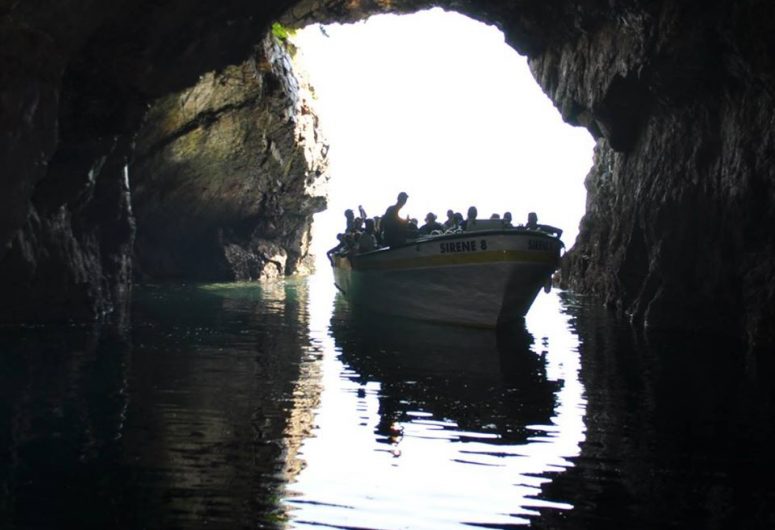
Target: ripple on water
244 406
424 426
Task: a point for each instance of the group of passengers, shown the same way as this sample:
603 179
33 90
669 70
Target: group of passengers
364 234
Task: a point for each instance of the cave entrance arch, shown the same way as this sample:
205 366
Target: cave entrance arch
439 105
673 124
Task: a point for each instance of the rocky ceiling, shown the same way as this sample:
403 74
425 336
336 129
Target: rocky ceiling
116 111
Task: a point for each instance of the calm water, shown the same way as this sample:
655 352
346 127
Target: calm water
277 406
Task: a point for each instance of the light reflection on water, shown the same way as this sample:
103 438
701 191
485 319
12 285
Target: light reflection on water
257 406
425 426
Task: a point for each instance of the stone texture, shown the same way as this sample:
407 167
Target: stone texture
228 174
681 194
679 95
76 79
71 259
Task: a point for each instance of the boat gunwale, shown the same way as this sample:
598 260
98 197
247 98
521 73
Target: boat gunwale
463 235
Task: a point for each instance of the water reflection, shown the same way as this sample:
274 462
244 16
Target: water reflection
188 422
215 393
680 432
428 426
63 401
252 406
474 380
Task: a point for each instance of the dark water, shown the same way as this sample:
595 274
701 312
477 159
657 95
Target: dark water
276 406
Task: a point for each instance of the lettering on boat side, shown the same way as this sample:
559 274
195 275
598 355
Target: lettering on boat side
538 244
463 246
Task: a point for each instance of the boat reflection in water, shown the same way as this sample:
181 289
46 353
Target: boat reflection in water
485 386
443 426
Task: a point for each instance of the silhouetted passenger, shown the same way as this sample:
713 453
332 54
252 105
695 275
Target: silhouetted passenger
350 217
340 248
394 229
470 221
532 224
450 222
431 224
412 229
495 216
459 220
378 229
367 241
507 220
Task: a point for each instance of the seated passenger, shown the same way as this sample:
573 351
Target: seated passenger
532 224
378 229
412 229
431 225
507 220
495 217
458 221
451 222
470 219
340 248
367 242
394 229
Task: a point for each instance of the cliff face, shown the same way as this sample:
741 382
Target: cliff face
681 195
678 94
76 79
227 173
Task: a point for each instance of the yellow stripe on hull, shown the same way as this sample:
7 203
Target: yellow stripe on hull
480 280
482 257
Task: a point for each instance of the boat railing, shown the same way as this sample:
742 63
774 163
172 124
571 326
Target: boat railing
496 228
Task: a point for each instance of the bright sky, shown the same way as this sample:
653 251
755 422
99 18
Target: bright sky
438 105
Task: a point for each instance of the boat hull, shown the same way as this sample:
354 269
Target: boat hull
479 279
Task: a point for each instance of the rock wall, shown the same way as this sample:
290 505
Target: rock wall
679 95
76 79
228 173
681 196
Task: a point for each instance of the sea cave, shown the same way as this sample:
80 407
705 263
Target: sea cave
112 149
168 140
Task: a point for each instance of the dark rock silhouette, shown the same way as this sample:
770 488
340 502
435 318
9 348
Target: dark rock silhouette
681 193
226 175
677 231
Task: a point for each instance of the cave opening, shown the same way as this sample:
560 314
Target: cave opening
203 119
438 104
148 141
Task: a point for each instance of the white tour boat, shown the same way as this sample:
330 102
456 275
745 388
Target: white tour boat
478 278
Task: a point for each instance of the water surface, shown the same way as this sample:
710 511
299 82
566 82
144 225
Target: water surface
428 426
279 406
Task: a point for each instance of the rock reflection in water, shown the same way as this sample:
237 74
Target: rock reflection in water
428 426
213 420
193 423
238 406
63 401
680 432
